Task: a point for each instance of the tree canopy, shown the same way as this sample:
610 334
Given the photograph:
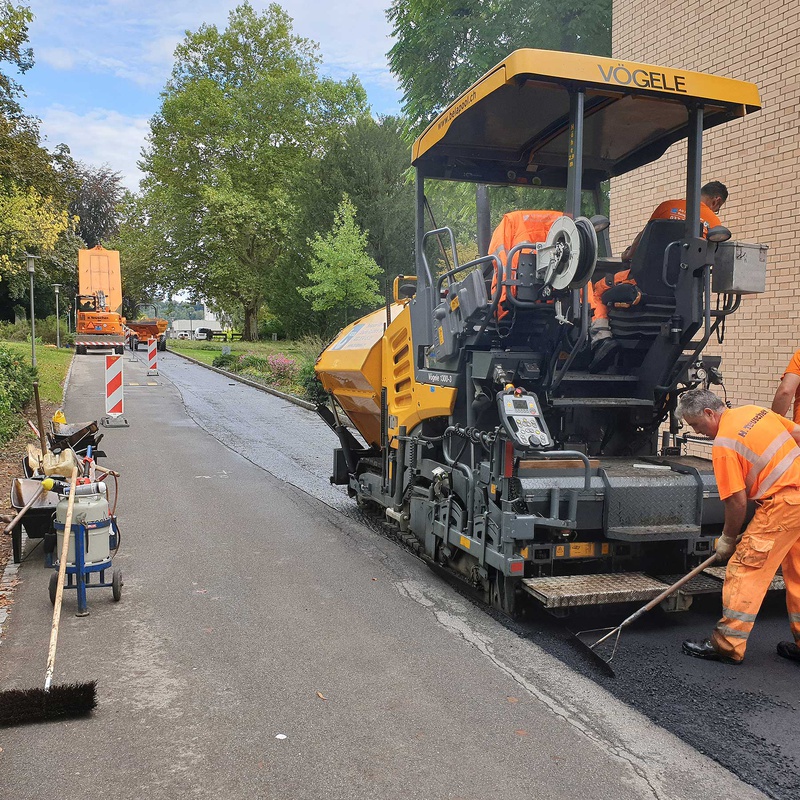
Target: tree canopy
441 48
243 122
95 202
34 183
14 21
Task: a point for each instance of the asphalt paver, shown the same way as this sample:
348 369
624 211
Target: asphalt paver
268 644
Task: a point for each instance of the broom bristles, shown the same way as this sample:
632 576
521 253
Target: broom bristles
20 706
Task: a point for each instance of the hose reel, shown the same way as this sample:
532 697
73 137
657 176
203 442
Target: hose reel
567 258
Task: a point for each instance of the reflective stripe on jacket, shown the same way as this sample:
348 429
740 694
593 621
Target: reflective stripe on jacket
755 451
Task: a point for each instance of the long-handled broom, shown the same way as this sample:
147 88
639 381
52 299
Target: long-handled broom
18 706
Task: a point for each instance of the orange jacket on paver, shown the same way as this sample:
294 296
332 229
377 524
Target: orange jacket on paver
669 209
755 451
676 209
518 227
794 369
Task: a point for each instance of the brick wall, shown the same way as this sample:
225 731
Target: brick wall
757 158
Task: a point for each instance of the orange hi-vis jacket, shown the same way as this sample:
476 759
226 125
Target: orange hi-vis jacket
676 209
518 227
794 369
755 451
669 209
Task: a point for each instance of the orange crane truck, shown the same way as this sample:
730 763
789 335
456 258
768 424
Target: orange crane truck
98 320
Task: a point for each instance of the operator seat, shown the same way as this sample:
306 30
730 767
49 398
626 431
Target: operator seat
637 326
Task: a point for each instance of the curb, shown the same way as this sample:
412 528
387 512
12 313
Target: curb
8 582
66 380
283 395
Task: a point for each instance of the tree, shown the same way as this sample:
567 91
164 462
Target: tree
14 21
442 48
138 238
33 220
343 275
243 121
369 162
95 202
372 166
33 190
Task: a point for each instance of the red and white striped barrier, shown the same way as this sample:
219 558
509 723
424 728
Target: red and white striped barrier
152 364
114 389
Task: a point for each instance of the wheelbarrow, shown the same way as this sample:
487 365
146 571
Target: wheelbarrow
77 435
37 518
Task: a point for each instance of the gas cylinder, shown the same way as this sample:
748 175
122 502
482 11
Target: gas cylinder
90 510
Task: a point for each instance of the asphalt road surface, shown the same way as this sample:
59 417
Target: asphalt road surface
270 644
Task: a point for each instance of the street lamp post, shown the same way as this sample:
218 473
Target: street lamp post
31 261
57 286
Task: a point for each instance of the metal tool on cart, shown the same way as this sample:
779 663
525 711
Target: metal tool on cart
94 538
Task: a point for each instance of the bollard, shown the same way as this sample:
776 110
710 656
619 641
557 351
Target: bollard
152 364
115 401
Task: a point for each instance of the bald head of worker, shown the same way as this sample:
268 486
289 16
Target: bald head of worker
702 411
714 194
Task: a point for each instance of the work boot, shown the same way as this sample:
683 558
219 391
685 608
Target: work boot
604 355
707 651
789 650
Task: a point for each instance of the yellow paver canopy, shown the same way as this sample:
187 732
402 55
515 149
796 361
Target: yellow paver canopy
512 125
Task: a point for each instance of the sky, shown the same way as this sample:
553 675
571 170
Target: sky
101 65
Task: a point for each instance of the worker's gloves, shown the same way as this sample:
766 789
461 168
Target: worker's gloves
726 546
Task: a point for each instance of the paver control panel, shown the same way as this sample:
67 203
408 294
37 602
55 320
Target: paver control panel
522 418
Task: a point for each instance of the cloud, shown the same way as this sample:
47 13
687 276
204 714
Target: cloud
135 39
112 57
56 57
99 137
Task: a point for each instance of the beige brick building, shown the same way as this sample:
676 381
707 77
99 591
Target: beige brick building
758 158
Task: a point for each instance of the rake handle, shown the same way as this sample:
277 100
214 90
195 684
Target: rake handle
62 571
656 600
670 590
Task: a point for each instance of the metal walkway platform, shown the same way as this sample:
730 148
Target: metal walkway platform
571 591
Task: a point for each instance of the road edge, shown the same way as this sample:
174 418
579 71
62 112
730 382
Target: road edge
283 395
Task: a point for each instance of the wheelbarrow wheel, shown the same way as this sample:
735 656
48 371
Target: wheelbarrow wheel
116 585
53 587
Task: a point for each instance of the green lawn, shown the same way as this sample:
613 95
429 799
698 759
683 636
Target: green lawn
250 361
51 363
207 351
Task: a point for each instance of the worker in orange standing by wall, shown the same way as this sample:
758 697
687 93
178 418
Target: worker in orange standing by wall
621 289
756 456
789 389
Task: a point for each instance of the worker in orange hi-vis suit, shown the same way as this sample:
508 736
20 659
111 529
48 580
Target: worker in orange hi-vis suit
756 457
789 389
518 227
624 292
529 227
